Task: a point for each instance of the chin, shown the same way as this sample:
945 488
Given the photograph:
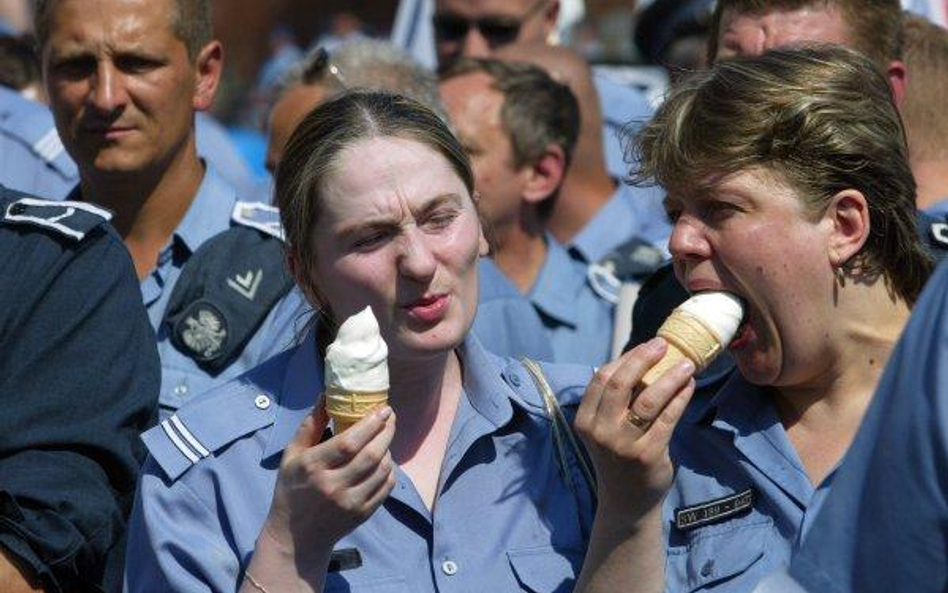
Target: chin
758 370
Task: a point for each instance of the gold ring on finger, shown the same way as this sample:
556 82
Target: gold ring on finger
637 421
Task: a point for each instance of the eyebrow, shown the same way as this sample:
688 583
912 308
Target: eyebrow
390 223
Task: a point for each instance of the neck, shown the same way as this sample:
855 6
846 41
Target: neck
931 177
585 190
424 395
148 204
858 349
520 253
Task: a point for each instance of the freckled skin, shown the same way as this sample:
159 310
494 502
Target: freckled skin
753 34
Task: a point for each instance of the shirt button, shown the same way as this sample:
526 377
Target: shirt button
181 390
515 380
449 567
262 402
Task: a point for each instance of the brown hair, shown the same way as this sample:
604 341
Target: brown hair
822 119
926 60
875 25
537 111
312 150
191 23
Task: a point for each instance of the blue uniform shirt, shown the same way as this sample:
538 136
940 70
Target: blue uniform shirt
741 496
506 323
32 158
630 212
578 321
883 527
621 105
505 520
938 209
214 210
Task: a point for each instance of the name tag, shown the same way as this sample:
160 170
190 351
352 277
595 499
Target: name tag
714 511
345 559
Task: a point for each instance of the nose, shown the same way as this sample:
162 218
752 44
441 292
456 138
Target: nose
416 260
688 242
475 45
108 92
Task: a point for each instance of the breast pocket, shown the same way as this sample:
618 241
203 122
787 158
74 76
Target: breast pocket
544 569
717 554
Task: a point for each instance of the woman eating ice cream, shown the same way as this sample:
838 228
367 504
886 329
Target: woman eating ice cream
789 187
473 488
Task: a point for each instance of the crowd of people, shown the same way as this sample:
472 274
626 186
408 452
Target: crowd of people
519 225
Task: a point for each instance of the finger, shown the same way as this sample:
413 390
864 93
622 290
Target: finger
377 497
368 489
661 431
650 402
370 457
618 392
343 448
589 405
308 434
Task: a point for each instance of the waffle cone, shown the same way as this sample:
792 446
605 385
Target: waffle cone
688 339
348 407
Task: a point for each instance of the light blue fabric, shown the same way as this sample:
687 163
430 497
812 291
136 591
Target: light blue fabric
884 526
32 158
578 321
724 446
630 212
215 146
504 517
622 105
210 213
506 323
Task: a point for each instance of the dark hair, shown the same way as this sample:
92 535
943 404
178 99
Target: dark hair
19 66
537 111
191 23
821 119
875 25
319 139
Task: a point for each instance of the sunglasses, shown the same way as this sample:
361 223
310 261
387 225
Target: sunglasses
496 30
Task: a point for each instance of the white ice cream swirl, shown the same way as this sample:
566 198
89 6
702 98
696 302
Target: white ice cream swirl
722 312
358 358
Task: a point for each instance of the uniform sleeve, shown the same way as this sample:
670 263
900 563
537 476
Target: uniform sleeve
79 377
175 542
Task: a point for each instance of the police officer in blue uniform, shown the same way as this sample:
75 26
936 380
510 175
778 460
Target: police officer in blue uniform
219 498
210 266
78 382
520 127
749 467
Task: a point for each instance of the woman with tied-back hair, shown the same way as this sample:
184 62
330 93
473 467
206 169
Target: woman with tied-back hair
470 490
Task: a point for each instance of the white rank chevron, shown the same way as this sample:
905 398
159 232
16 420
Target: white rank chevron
247 284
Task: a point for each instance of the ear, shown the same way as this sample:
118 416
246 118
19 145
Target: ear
550 16
848 218
897 75
545 176
209 65
483 245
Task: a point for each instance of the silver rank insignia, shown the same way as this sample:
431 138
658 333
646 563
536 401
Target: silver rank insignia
204 331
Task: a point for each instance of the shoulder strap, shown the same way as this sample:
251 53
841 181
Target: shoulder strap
563 436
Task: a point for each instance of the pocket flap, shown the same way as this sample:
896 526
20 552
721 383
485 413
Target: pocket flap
546 570
717 555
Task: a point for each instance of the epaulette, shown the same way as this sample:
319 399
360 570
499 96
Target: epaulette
197 431
633 261
72 219
257 215
568 382
227 288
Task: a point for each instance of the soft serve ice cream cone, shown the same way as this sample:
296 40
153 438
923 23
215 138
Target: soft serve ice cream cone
356 371
698 330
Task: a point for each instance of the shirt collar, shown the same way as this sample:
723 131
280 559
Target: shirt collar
487 392
938 209
736 406
640 213
558 285
210 212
